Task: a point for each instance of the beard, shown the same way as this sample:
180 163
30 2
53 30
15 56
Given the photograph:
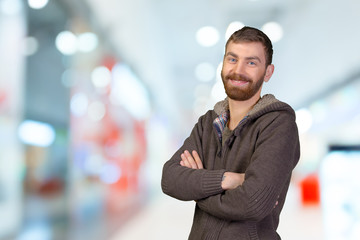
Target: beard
239 93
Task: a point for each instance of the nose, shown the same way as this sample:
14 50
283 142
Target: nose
240 68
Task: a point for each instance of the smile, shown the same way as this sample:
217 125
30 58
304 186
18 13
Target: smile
238 82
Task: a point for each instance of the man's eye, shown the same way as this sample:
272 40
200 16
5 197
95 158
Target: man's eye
252 63
232 60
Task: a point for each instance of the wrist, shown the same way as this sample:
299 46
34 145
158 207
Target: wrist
223 182
231 180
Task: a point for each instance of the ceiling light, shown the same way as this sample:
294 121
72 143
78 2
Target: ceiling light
87 42
37 4
66 42
233 27
207 36
101 77
36 133
273 30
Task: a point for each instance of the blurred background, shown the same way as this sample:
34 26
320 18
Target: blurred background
96 95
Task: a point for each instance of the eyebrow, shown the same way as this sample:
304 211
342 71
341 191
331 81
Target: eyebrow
232 54
247 58
253 58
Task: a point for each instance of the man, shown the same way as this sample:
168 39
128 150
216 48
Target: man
238 160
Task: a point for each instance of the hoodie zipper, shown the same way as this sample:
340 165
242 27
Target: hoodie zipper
230 141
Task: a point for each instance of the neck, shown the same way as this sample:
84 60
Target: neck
239 109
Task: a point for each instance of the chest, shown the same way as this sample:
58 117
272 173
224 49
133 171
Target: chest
234 155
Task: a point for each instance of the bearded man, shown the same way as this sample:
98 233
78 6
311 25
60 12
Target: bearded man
238 160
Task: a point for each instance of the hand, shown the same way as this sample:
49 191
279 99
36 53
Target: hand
191 161
232 180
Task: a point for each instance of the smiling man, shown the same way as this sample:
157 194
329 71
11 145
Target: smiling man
237 162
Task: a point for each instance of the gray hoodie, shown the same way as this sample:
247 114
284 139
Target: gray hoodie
264 146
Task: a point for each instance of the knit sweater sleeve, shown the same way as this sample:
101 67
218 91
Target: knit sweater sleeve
266 178
190 184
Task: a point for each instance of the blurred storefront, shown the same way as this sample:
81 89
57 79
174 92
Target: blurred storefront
327 173
73 127
12 30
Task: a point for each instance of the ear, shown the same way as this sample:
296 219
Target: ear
269 72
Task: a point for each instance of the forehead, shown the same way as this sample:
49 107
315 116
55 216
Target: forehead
246 49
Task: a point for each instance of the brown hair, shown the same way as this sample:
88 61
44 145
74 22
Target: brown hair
249 34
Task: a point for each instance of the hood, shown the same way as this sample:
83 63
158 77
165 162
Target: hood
267 103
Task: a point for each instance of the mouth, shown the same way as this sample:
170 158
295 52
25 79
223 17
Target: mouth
238 82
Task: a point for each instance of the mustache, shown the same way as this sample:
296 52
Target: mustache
239 77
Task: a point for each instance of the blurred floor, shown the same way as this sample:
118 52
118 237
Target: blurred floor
162 218
49 218
166 218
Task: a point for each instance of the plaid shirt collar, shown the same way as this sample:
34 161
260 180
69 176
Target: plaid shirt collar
220 123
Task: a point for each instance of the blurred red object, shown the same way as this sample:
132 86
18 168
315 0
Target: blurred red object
109 62
51 186
310 190
3 96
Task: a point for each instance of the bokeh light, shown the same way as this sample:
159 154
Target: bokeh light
66 43
273 30
79 104
101 77
87 42
233 26
207 36
36 133
37 4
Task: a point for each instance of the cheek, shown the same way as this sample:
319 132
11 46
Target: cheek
224 71
253 74
227 70
224 68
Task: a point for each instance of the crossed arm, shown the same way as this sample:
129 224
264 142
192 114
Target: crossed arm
230 180
227 194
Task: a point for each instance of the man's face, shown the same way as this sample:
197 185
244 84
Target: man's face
244 70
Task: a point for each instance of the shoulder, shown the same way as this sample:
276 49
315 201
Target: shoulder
277 124
274 115
207 118
269 106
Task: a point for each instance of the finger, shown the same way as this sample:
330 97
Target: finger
185 161
197 160
190 160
